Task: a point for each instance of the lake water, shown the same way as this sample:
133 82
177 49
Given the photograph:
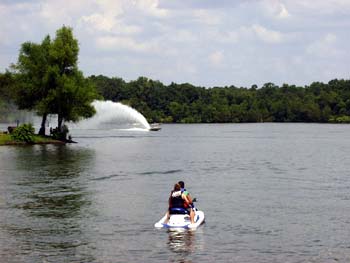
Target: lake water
270 193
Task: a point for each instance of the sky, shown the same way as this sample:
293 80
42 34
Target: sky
203 42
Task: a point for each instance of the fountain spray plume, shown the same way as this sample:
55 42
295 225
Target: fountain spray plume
114 113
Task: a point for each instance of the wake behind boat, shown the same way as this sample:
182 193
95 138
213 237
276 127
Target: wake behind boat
180 219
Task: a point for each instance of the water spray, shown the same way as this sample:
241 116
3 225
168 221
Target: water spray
109 112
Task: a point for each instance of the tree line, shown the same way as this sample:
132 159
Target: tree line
186 103
46 80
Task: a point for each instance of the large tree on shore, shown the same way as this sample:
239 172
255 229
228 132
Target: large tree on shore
50 81
32 77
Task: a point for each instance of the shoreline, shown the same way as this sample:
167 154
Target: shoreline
6 140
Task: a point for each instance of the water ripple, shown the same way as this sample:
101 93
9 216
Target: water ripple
161 172
107 177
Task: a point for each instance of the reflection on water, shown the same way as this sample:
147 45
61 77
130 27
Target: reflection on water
48 204
183 243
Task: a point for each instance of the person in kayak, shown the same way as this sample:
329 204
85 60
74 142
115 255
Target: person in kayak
178 199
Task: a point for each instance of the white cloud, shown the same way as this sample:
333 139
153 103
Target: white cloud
275 8
207 17
105 23
4 37
216 58
182 40
324 47
184 66
283 12
151 7
231 37
108 17
110 7
116 43
99 22
181 35
62 12
320 6
18 21
266 35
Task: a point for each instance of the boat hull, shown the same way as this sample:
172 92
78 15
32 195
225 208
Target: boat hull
154 128
180 221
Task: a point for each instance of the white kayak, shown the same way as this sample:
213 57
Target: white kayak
180 219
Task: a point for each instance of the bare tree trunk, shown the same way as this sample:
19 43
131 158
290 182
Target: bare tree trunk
62 129
43 123
60 122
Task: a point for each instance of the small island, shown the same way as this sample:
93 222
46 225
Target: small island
25 135
6 139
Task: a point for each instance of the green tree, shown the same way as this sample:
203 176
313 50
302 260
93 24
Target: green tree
318 102
7 86
33 78
177 111
72 97
50 81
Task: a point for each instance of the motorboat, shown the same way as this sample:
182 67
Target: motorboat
155 127
180 219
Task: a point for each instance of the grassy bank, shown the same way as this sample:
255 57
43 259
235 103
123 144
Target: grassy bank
6 139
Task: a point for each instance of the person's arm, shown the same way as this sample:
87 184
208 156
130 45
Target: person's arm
185 198
189 198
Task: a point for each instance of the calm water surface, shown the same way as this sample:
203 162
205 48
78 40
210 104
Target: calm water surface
270 193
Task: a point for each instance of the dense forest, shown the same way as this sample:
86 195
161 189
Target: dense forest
185 103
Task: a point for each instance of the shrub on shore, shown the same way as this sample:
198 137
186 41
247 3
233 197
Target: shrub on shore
24 133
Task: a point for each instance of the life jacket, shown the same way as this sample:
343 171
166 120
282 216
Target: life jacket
176 200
